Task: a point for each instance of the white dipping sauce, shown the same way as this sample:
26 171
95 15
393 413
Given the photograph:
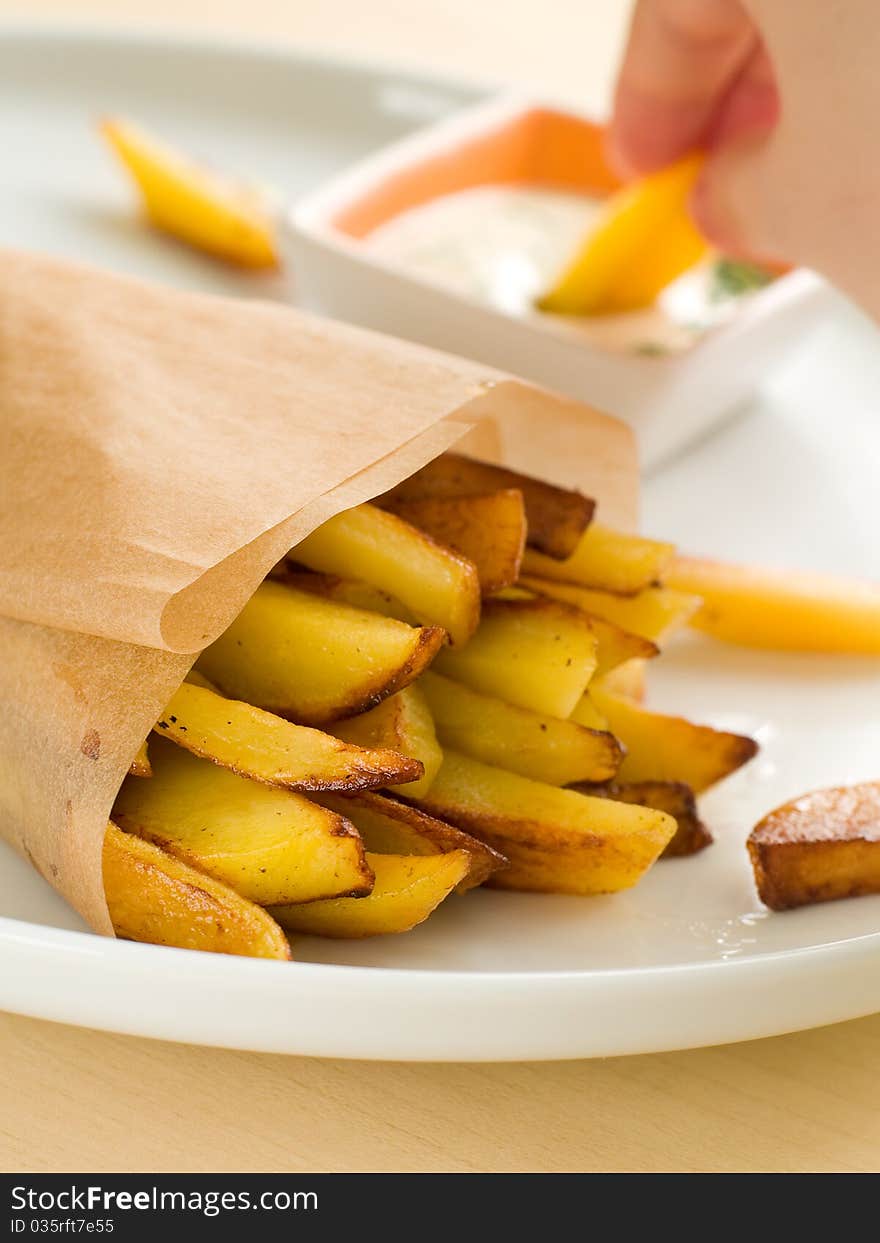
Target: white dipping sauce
504 245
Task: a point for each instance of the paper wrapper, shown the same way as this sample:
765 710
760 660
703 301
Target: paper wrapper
162 451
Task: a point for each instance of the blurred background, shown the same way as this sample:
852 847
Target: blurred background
565 48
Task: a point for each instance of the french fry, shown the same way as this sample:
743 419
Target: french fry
819 847
781 609
644 239
587 714
490 530
268 845
407 889
440 586
313 660
673 797
389 827
626 680
653 613
265 747
670 748
140 765
402 723
538 654
227 218
156 898
605 560
557 841
532 744
557 517
352 591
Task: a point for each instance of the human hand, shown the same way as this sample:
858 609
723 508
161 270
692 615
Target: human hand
783 96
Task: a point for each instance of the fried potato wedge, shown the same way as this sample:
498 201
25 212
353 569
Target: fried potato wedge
140 765
389 827
538 654
819 847
490 530
644 238
587 714
266 748
670 748
313 660
781 609
227 218
269 845
557 841
440 586
532 744
653 613
606 560
403 724
557 517
408 889
156 898
673 797
352 591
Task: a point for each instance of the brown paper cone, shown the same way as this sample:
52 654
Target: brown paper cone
162 451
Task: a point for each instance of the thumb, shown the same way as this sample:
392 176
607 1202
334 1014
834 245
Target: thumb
738 203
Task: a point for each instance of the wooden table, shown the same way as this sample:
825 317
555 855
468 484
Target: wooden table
81 1101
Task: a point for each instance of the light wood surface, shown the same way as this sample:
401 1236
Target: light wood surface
76 1100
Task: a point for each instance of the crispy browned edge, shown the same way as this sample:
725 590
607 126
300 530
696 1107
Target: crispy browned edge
557 517
399 768
445 836
674 797
778 848
140 769
143 863
429 640
339 828
418 513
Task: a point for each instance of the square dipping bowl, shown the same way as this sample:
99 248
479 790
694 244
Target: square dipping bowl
669 399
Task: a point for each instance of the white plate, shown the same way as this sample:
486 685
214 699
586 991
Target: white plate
689 957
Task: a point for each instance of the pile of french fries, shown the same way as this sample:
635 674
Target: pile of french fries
430 693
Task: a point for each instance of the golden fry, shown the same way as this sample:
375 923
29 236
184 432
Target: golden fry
673 797
269 845
536 653
605 560
653 613
156 898
407 889
402 723
532 744
557 517
557 841
312 660
440 586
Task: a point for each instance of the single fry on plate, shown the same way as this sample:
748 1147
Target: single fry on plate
785 610
156 898
202 207
819 847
